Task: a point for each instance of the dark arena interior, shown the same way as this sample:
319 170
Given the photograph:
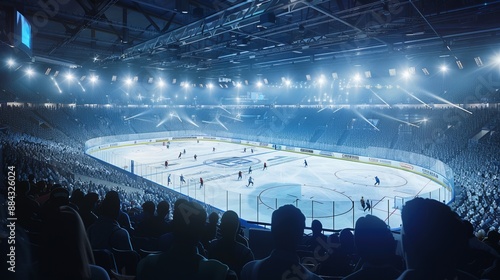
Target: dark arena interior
240 139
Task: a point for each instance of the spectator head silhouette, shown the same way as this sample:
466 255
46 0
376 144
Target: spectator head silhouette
316 227
77 197
66 251
374 241
59 195
493 236
434 238
188 222
163 209
213 218
149 208
110 206
287 227
90 201
346 239
229 224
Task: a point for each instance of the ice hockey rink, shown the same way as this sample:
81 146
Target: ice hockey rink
327 189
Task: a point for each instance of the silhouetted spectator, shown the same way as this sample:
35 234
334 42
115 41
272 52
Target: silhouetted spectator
123 218
27 209
377 249
65 252
287 229
492 239
106 233
211 229
434 241
153 225
479 255
87 209
182 260
227 249
77 198
341 256
146 226
162 218
58 197
312 242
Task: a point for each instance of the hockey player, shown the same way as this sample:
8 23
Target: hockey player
240 175
377 181
169 180
250 181
182 179
180 154
201 182
305 163
265 166
368 206
250 170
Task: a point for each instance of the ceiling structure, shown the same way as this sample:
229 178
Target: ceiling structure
219 38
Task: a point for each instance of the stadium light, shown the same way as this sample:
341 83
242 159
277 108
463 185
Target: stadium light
128 81
357 78
10 62
321 79
93 79
210 85
69 76
259 84
30 72
161 83
443 68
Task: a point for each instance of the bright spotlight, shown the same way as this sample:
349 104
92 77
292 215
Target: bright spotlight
259 84
406 74
69 76
496 59
321 79
30 72
288 82
10 62
161 83
186 85
443 68
93 79
238 85
357 78
210 85
128 81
